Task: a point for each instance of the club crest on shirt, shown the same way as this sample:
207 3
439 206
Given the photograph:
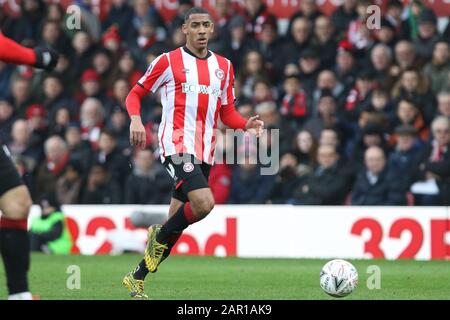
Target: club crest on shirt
220 74
188 167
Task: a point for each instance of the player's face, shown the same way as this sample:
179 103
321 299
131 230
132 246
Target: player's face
198 29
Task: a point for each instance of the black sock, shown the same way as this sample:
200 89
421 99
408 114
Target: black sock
174 226
15 251
141 271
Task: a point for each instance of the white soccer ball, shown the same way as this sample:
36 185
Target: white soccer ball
338 278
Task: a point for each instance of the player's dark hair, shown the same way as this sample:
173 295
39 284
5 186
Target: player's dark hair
195 10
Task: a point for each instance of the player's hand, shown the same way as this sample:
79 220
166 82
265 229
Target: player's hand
137 132
46 58
255 126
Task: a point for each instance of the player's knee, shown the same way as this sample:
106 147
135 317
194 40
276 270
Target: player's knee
203 207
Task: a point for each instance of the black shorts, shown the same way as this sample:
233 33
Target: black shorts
9 177
188 174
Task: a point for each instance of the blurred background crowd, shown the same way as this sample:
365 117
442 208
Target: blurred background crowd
363 112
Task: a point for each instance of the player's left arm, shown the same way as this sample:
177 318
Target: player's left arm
229 114
39 57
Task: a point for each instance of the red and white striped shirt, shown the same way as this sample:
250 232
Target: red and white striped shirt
193 92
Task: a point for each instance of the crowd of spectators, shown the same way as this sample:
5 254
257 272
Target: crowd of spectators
363 113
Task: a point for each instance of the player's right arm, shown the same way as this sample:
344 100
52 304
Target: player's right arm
155 77
39 57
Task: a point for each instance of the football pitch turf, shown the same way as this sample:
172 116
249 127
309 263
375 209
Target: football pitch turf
187 278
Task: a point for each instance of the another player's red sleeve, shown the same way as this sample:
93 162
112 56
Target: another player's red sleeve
12 52
232 118
133 101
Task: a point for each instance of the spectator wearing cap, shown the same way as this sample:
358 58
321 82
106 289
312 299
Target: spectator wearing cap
310 64
427 34
90 87
386 34
414 87
100 188
375 185
324 40
372 134
433 162
69 185
49 232
56 158
112 41
240 42
328 184
121 15
36 116
394 11
269 44
402 157
359 96
343 15
345 67
444 104
149 182
327 115
326 80
409 114
438 69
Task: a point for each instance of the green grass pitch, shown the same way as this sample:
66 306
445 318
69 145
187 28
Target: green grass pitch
230 278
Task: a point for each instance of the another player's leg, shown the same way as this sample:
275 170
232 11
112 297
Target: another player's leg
14 242
201 202
134 281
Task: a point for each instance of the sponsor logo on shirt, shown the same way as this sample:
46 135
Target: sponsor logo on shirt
200 89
